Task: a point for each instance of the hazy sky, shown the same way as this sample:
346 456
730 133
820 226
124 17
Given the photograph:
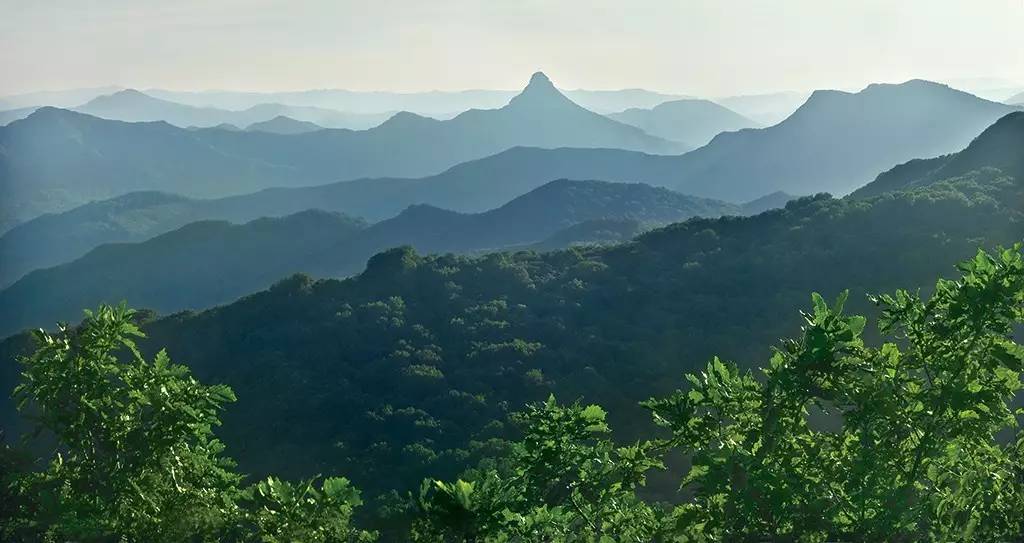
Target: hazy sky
701 47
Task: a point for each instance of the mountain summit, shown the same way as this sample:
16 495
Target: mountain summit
540 92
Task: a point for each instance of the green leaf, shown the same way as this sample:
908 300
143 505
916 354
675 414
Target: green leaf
593 413
820 306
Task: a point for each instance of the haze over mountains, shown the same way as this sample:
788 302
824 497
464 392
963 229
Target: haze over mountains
56 159
767 109
433 103
439 104
830 142
690 121
835 142
61 98
209 262
134 106
472 187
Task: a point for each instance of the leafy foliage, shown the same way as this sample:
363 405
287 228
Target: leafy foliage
563 481
915 457
136 456
834 440
283 512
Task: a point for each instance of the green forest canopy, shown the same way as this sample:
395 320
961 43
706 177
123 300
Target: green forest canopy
915 456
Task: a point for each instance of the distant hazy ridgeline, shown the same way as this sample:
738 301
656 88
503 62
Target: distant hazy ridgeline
693 122
55 159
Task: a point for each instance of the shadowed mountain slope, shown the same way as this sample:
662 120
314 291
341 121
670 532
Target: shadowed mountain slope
210 262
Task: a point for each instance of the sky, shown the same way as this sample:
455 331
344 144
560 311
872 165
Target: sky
696 47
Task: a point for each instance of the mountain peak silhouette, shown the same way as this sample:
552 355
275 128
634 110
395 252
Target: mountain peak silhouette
540 91
540 78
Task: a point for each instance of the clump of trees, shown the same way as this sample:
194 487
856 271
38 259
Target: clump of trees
834 440
135 457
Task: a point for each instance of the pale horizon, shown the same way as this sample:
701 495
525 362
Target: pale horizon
702 48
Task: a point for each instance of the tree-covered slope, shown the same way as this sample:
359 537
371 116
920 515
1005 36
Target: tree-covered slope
401 371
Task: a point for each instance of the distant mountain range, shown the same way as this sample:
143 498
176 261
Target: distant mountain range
690 121
1017 99
209 262
836 142
55 159
133 106
471 187
432 103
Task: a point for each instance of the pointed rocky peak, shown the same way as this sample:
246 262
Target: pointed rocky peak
539 80
540 92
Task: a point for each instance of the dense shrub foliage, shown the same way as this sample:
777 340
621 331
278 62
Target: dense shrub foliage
135 456
833 440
